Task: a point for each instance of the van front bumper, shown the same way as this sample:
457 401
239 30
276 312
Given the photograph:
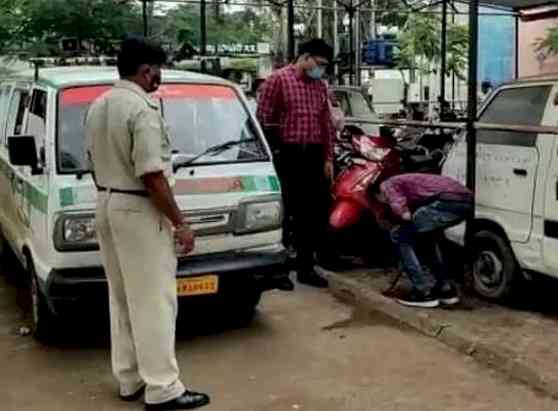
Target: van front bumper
239 273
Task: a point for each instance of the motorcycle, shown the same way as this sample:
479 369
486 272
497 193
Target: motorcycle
362 161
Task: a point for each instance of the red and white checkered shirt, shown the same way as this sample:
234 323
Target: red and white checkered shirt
299 107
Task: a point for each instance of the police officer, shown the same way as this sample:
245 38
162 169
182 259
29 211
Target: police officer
138 222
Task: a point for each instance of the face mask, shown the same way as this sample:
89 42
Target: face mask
153 80
316 73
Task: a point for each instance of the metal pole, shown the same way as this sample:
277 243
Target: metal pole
357 49
336 36
203 27
443 68
516 47
453 73
320 20
351 46
144 16
373 20
472 102
290 30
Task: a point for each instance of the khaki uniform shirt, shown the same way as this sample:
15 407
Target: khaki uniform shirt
126 138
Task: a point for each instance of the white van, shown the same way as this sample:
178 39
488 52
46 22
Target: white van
47 199
516 219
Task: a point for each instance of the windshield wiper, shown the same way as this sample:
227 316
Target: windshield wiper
80 173
213 150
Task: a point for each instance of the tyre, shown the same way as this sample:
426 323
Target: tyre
495 269
243 311
45 324
4 258
10 267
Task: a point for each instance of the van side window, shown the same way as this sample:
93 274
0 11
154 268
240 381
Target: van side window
4 102
36 120
16 112
522 106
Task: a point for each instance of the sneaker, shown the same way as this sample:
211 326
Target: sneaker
448 297
312 279
420 299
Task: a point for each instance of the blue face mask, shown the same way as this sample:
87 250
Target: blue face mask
316 73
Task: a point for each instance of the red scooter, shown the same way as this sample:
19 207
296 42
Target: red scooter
361 162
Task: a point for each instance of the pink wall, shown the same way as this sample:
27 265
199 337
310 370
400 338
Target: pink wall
529 32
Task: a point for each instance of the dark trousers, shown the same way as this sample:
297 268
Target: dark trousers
306 199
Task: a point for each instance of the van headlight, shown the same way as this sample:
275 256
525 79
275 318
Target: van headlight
75 232
259 215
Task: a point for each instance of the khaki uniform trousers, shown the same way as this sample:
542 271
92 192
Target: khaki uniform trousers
137 248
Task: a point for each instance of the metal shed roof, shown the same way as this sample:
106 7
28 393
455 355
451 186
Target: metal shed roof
517 4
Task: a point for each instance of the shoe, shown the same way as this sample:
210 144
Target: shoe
135 396
447 297
284 284
331 263
420 299
312 279
187 401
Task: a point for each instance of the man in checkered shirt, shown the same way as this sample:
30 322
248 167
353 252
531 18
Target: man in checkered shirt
293 109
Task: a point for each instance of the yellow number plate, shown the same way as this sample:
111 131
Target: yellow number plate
207 284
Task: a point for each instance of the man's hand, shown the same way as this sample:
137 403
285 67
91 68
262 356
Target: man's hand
328 170
407 216
184 237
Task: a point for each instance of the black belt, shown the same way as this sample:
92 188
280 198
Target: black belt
140 193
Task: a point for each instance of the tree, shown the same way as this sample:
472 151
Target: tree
548 46
12 19
37 26
244 26
419 45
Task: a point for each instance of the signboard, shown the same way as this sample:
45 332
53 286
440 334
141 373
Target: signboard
255 49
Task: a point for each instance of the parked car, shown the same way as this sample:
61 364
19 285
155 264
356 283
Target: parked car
515 231
356 108
231 193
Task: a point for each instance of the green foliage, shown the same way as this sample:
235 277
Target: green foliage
420 45
36 26
548 45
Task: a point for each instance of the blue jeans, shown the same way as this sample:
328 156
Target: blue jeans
427 227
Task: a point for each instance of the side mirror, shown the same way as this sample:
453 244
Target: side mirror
23 152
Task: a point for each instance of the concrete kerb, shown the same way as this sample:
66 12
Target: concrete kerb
356 293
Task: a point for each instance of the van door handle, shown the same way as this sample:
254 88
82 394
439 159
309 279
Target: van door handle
520 172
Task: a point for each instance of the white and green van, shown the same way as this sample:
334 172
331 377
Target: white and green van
47 197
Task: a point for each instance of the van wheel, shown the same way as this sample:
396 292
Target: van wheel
4 258
495 269
45 323
10 267
243 312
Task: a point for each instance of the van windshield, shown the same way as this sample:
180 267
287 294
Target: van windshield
198 116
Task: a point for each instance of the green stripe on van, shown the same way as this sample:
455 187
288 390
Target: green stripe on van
274 182
67 197
37 198
260 183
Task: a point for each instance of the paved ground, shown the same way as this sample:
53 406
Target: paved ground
518 338
305 351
